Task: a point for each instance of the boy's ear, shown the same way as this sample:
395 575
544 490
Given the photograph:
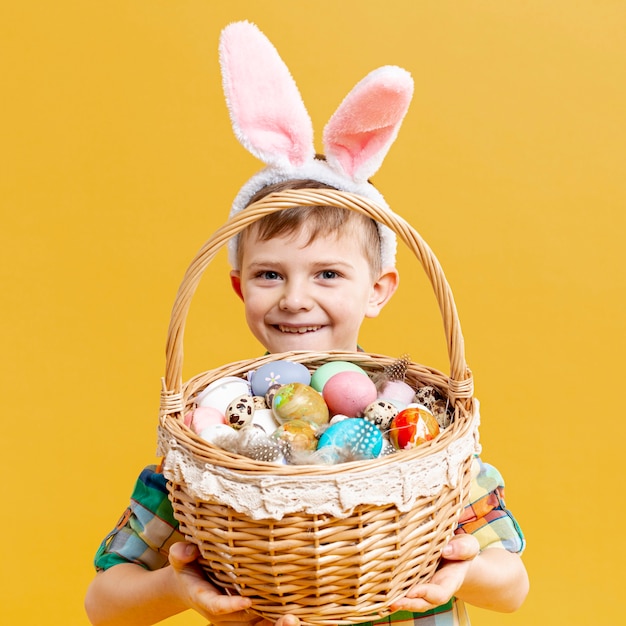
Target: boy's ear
235 281
382 290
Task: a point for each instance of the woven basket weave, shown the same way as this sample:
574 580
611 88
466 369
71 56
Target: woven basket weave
326 566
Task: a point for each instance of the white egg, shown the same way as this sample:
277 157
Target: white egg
221 392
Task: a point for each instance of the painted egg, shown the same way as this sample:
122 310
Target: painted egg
297 434
298 401
278 373
202 417
349 393
221 392
240 411
324 372
397 391
353 439
412 427
380 413
264 419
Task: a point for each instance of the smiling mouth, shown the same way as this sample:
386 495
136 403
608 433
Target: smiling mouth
297 330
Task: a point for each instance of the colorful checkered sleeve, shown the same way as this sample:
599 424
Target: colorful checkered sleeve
486 516
147 528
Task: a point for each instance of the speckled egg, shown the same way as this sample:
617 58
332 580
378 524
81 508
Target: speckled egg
240 411
269 396
380 413
426 395
349 393
299 401
353 440
280 372
259 402
412 427
324 372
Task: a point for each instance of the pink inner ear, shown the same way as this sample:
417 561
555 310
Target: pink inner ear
359 136
360 133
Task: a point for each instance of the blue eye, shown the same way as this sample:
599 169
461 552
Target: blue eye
269 275
328 274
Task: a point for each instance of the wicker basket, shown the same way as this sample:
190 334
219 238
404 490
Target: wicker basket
341 562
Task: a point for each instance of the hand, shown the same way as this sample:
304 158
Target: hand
458 556
208 600
200 595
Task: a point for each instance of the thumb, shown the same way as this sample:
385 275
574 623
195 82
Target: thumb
182 553
461 548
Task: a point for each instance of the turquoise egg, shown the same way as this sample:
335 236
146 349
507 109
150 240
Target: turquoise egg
354 438
328 370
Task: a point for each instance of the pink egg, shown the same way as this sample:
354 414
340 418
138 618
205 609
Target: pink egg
397 391
204 416
349 393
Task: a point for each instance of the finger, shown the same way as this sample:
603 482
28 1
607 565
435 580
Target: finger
415 605
233 607
182 553
461 548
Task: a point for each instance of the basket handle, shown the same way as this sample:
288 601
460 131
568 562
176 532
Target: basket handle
460 381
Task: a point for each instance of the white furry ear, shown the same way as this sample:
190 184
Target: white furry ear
361 131
266 109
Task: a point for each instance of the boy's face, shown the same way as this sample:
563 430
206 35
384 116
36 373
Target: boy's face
313 296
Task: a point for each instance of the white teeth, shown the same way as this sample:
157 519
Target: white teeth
298 329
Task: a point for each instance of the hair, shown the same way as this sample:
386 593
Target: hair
317 220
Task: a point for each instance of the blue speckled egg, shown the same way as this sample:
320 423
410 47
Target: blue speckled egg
354 439
277 373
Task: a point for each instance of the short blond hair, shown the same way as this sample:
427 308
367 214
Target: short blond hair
326 220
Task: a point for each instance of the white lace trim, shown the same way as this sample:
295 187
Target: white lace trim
273 497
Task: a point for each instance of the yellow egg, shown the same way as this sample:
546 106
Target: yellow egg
299 401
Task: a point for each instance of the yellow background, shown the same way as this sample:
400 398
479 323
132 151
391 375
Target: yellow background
118 161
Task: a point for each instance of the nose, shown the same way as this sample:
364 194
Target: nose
295 297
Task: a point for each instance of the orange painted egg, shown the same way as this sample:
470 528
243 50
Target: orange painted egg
412 427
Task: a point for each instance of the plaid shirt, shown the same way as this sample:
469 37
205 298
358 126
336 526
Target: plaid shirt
147 529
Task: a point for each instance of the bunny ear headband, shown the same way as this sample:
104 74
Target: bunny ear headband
270 120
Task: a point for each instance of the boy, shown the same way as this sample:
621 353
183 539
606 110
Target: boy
307 277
